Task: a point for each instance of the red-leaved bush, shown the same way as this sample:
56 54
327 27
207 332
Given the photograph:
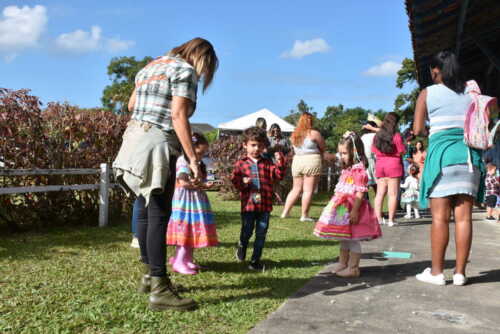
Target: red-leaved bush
58 136
225 151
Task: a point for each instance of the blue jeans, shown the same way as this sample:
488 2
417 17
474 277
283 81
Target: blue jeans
259 220
406 164
135 214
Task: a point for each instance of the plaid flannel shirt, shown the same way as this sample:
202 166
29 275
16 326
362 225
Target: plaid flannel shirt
492 182
155 86
268 174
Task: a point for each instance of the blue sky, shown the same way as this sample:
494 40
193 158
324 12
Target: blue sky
272 53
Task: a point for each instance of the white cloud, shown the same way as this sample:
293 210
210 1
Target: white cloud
305 48
117 45
21 28
385 69
81 41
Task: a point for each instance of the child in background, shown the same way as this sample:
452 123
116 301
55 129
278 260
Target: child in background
348 217
192 223
410 196
254 176
492 182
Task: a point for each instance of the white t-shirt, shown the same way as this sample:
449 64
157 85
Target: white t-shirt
367 140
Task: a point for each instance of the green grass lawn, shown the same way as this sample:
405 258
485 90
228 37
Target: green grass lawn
83 280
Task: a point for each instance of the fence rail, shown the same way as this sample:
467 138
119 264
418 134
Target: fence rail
103 185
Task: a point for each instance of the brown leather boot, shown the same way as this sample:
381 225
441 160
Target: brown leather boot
343 258
163 296
352 269
145 281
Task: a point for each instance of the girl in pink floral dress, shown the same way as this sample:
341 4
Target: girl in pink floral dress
348 217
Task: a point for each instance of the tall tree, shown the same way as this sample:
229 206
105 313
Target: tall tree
121 71
337 120
404 104
294 115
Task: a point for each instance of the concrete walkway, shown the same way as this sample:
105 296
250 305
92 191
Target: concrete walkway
388 299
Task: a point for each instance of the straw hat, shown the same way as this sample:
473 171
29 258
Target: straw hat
374 119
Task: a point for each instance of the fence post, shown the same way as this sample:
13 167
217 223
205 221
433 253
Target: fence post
104 196
329 179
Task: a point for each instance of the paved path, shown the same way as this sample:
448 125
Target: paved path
388 299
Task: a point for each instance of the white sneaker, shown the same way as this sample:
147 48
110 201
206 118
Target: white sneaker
417 217
407 217
459 279
306 219
390 223
382 222
427 277
135 243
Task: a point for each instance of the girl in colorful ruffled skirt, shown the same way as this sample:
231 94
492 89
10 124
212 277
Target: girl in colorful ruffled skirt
192 222
349 217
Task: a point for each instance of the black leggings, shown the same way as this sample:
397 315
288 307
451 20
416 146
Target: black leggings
152 224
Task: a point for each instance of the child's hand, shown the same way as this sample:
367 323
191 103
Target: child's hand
354 217
209 184
279 157
246 180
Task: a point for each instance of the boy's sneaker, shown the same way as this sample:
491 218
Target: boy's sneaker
306 219
491 219
257 266
241 253
407 217
427 277
390 223
135 243
459 279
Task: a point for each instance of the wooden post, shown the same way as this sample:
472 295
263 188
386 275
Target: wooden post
329 179
104 196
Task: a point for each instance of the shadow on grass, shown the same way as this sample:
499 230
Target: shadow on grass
293 243
269 288
51 242
242 267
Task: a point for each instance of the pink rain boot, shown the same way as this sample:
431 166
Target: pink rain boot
189 259
180 264
171 259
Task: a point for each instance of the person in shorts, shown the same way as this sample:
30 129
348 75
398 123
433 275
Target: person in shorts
492 186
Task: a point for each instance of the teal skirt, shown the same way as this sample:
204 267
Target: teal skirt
447 165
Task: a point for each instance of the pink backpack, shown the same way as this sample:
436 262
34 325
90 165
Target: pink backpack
477 118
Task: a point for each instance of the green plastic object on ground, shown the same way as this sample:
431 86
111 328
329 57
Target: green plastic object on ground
397 255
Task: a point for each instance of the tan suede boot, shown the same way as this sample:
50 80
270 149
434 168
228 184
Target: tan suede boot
342 263
163 296
352 269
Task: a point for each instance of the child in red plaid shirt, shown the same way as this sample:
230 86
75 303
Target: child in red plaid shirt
254 176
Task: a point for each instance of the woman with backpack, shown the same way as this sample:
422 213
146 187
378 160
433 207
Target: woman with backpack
453 174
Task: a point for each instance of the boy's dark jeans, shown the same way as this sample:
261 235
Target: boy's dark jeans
259 220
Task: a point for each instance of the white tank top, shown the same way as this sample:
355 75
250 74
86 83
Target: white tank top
446 109
308 147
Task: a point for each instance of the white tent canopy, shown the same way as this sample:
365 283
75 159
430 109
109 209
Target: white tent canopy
247 121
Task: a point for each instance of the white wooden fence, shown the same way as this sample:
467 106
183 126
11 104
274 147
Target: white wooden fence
103 185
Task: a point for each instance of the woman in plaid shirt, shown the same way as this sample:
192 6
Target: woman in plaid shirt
163 100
